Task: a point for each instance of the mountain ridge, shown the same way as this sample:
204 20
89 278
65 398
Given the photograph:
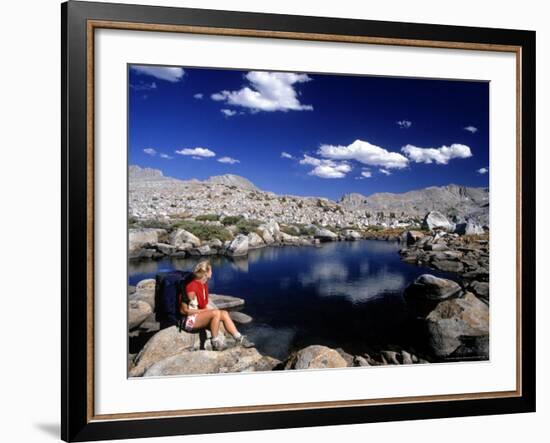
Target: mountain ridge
456 202
137 173
452 200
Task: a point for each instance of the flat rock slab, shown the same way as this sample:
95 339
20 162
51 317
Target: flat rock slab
235 359
145 295
138 311
240 317
226 301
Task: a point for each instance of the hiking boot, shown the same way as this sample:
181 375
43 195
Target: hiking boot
218 345
244 342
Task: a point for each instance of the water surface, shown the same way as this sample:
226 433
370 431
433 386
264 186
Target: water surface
340 294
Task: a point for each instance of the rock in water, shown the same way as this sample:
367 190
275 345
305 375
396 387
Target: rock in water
468 229
435 219
453 321
239 246
201 250
237 359
180 237
265 234
163 344
138 311
411 237
139 238
255 241
269 231
447 265
435 247
325 234
215 243
240 317
166 248
430 287
316 356
351 235
225 301
289 239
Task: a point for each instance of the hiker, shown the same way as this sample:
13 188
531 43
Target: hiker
196 314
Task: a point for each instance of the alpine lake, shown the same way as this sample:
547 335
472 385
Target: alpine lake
338 294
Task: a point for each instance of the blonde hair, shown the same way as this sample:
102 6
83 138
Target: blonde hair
202 268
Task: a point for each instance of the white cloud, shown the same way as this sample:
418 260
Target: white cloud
330 171
441 155
286 155
483 171
144 86
170 74
267 91
197 153
228 112
166 156
385 171
229 160
404 124
326 168
365 153
471 129
366 174
198 96
150 151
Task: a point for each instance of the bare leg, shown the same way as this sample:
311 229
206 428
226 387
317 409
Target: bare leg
210 320
228 323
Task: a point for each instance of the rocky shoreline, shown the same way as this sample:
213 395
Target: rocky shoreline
173 352
467 256
235 236
174 241
455 320
453 316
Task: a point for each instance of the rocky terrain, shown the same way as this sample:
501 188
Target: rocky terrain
440 228
155 197
466 255
458 203
441 244
229 215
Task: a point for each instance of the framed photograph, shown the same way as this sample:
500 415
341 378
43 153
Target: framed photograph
276 221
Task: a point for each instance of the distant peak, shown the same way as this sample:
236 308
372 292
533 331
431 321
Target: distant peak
137 172
232 180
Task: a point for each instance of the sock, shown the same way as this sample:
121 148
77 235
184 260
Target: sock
237 335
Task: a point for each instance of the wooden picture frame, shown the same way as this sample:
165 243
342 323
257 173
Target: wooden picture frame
79 22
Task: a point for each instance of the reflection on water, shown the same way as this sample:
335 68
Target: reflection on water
341 294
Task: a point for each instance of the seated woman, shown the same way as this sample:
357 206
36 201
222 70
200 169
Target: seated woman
196 314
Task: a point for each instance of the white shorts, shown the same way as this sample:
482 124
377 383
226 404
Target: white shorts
189 322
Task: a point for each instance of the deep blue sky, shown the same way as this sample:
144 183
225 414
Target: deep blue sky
164 117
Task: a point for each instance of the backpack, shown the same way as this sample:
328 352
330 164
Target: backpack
169 293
